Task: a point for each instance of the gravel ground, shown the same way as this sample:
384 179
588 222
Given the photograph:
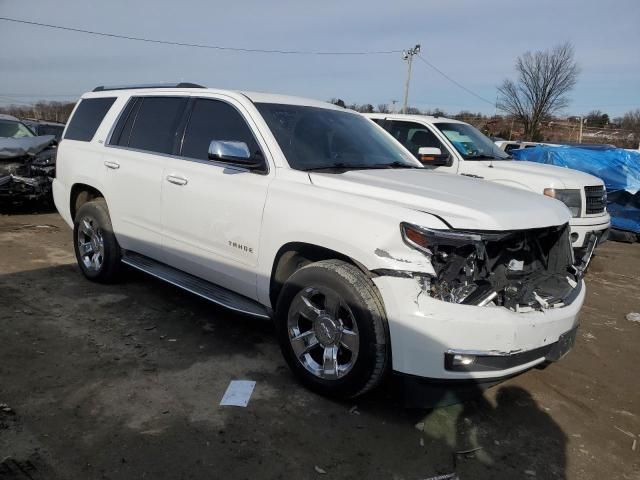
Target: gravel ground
124 382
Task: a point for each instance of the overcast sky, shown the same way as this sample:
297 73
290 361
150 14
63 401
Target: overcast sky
474 42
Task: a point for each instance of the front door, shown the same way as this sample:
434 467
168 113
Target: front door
212 211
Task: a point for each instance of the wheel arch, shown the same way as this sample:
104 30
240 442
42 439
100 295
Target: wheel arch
294 255
80 194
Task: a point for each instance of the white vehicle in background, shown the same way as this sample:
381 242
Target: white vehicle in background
309 214
508 146
452 146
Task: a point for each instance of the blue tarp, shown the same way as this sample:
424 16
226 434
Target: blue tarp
619 169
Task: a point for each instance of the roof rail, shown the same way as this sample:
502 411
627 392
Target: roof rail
103 88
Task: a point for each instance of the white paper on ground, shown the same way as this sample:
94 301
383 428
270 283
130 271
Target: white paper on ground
238 393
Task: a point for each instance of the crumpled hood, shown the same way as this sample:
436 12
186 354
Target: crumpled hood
536 176
19 147
464 203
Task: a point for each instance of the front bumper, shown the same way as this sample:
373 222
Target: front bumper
418 392
581 227
424 329
18 187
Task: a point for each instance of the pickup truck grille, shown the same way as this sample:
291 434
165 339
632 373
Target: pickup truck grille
596 200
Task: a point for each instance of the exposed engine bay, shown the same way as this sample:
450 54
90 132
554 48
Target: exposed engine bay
27 167
520 270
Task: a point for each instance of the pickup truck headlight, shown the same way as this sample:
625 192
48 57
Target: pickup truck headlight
570 197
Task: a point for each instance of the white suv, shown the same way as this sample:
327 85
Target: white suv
310 214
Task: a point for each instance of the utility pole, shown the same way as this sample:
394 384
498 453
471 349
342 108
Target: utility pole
408 56
580 134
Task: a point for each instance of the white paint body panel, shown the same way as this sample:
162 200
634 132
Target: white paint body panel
423 329
357 214
530 176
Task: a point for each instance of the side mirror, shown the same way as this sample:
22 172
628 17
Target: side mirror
236 153
431 156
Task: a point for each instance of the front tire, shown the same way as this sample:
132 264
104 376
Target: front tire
332 329
97 250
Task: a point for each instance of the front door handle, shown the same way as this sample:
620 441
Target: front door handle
176 180
112 165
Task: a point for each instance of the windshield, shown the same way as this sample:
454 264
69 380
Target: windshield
13 129
315 138
470 142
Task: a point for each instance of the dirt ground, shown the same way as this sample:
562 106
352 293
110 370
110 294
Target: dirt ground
124 382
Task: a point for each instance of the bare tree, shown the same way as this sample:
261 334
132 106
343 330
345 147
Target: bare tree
544 80
383 108
41 110
631 121
337 101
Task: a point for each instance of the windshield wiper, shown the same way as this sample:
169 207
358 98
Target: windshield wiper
361 166
333 166
482 157
395 164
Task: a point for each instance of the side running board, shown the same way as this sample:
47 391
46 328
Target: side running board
202 288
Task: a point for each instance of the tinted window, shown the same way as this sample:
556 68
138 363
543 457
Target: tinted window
51 130
155 123
215 120
511 148
122 131
87 118
413 136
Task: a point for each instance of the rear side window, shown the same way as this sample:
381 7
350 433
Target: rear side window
150 123
87 118
215 120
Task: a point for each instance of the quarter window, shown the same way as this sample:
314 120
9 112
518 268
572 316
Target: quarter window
87 118
215 120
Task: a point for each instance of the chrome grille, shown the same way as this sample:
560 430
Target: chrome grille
596 199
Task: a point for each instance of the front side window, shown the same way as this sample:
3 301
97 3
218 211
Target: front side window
314 138
215 120
414 136
510 148
470 142
87 118
14 129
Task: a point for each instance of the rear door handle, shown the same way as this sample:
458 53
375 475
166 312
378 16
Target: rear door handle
176 180
112 165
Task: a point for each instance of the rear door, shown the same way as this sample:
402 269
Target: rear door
212 211
142 140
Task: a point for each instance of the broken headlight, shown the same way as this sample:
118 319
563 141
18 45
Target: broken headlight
515 269
44 158
570 197
454 256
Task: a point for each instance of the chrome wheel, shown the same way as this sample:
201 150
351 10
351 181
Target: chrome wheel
90 244
323 333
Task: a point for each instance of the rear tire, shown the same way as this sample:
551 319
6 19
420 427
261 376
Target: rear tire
332 329
97 250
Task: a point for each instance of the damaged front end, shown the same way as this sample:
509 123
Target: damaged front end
27 171
521 270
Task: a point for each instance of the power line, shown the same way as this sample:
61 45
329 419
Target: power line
33 95
200 45
454 82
